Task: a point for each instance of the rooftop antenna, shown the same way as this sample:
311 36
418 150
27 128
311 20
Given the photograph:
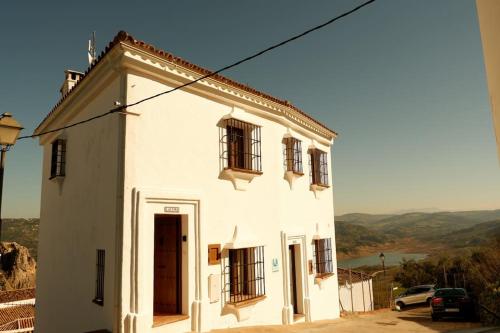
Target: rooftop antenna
92 49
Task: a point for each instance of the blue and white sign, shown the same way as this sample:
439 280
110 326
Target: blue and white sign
276 266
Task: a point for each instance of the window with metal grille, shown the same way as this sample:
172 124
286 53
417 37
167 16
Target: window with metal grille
244 274
99 283
240 146
318 167
292 152
323 256
58 158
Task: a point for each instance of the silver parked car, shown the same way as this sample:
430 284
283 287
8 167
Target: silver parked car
415 295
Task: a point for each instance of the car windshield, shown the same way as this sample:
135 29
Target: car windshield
450 292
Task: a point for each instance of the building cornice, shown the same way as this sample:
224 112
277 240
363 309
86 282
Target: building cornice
149 55
139 61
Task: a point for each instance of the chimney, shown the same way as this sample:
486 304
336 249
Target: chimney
70 80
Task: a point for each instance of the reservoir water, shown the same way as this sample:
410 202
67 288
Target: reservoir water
391 259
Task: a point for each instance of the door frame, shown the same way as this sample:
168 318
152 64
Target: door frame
287 312
137 268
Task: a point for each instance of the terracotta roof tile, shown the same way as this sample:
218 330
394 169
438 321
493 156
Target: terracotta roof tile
13 313
20 323
124 37
16 295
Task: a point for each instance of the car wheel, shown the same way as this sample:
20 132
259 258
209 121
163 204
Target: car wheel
401 305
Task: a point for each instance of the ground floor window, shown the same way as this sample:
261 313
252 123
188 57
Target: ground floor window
99 281
244 274
323 256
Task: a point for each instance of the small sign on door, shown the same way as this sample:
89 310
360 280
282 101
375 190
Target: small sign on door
171 209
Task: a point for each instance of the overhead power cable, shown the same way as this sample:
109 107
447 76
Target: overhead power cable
239 62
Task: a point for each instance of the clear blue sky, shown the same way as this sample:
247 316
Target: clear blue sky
401 81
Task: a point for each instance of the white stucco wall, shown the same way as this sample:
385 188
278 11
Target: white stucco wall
123 169
362 296
172 147
78 216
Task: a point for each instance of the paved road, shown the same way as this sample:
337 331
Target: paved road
416 320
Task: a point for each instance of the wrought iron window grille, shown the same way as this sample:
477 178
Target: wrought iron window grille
244 274
318 167
58 159
323 262
99 284
240 146
292 155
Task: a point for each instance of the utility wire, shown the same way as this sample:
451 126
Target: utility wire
239 62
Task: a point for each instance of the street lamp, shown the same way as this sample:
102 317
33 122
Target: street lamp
9 131
382 259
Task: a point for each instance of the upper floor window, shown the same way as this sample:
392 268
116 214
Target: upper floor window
241 146
292 151
58 158
323 256
318 161
245 274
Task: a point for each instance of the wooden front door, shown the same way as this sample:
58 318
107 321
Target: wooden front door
167 265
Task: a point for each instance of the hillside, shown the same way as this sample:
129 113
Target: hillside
23 232
421 226
477 235
361 218
423 230
353 236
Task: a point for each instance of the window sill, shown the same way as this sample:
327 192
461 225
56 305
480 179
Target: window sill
323 276
250 171
248 302
297 173
318 188
290 177
56 177
239 177
98 301
242 310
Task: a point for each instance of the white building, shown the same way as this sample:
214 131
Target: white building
208 207
355 291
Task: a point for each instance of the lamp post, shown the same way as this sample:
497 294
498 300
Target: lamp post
382 259
9 131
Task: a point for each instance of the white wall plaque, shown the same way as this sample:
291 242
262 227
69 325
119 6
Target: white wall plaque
170 209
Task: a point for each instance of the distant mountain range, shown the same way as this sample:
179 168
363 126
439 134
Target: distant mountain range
454 229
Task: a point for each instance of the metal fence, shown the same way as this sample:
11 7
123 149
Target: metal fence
382 291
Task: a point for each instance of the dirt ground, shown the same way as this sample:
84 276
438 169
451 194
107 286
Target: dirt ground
415 320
